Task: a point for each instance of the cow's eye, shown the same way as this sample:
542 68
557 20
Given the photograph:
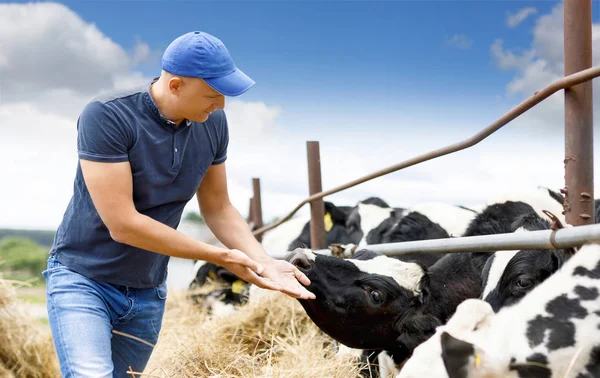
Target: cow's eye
524 283
376 296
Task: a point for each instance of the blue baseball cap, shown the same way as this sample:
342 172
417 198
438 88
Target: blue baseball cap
201 55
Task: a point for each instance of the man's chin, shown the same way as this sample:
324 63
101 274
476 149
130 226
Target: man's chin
200 118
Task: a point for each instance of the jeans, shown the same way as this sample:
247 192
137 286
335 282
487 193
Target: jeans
99 329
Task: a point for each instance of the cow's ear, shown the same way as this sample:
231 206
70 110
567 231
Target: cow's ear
457 355
365 254
424 286
558 259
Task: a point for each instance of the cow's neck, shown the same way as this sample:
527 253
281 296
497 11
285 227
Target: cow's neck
452 280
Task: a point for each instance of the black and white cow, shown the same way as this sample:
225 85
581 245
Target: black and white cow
376 224
395 305
375 302
553 332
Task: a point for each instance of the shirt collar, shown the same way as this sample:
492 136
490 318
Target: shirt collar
149 100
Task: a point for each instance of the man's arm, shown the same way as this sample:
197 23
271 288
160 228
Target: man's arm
231 229
111 186
223 219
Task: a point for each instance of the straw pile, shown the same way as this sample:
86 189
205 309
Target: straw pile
25 349
270 336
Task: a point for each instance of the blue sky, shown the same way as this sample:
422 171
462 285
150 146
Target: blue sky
349 61
376 82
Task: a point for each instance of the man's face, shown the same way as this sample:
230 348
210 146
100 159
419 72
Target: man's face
195 99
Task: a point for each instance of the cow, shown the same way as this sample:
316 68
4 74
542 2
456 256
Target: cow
554 331
394 305
377 223
372 301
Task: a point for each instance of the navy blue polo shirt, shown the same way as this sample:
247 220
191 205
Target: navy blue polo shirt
167 163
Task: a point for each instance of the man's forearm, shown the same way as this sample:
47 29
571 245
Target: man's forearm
232 230
146 233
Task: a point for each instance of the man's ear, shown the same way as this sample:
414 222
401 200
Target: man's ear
457 356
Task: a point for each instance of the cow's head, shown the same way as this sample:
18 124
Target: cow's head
368 302
364 218
508 275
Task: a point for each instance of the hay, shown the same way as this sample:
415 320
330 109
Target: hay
270 336
25 349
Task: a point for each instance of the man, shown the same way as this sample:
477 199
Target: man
143 154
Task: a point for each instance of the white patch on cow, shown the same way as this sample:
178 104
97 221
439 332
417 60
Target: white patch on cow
195 270
277 240
538 198
220 310
453 219
371 216
347 352
501 260
471 314
308 253
387 367
407 275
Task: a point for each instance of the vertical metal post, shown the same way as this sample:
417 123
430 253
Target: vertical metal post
317 207
257 206
579 152
250 211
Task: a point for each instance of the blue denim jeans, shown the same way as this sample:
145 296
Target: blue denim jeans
99 329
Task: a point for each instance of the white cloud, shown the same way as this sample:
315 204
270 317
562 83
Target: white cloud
51 56
460 41
514 20
51 63
539 65
507 60
38 134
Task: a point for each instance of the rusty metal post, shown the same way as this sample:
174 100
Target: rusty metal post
257 206
250 212
579 145
317 207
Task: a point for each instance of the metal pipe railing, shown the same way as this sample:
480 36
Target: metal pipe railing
565 82
563 238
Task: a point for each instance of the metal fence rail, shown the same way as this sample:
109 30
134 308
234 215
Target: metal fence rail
565 82
563 238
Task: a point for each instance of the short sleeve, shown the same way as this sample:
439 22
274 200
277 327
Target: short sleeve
100 137
223 142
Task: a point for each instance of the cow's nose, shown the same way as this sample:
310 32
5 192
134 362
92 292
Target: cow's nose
299 259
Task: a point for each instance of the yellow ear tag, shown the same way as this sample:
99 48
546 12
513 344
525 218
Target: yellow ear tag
238 286
328 222
212 274
477 359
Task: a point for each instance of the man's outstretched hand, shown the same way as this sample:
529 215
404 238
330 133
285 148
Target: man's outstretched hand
289 278
275 274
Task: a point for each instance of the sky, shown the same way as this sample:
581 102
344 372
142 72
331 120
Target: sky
375 82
